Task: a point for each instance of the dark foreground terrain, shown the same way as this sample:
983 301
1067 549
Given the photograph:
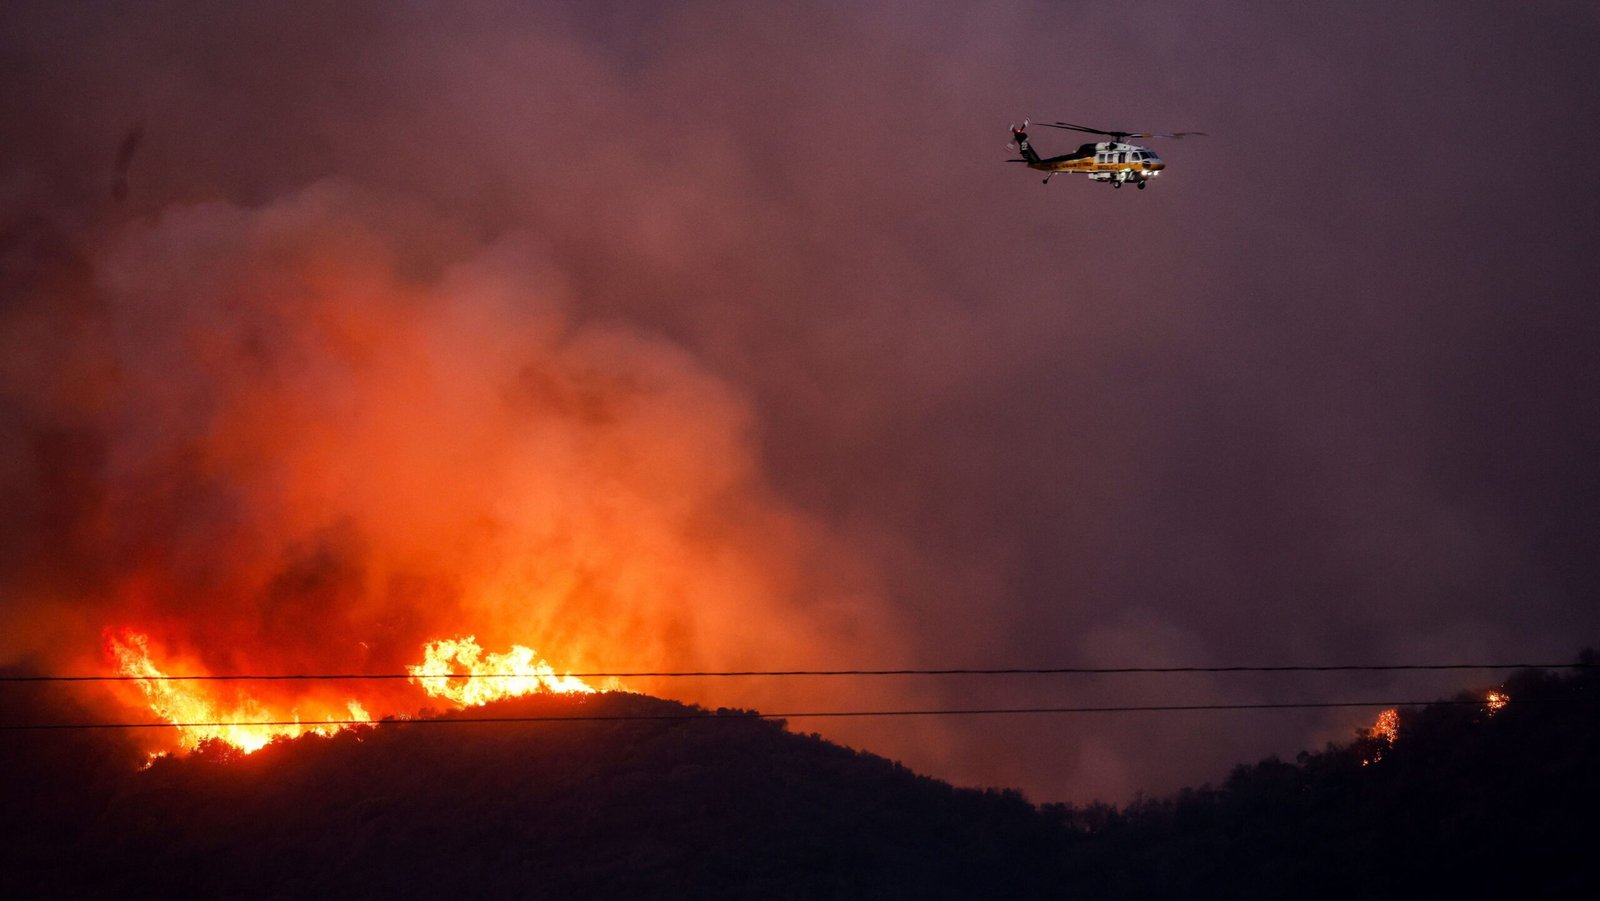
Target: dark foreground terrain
1465 804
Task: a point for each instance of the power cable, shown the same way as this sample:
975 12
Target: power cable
957 671
731 716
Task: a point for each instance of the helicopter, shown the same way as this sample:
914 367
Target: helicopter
1114 162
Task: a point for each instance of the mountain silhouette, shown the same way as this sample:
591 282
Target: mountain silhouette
638 797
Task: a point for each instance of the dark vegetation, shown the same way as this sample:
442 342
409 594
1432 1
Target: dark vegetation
1465 804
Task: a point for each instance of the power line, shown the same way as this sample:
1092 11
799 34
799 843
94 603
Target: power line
957 671
733 716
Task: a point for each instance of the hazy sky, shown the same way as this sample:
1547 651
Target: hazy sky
721 334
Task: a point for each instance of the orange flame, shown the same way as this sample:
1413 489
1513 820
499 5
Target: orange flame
455 669
1495 700
244 723
1384 732
1387 726
492 676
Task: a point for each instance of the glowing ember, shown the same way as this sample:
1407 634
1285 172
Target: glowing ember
1495 700
492 676
243 722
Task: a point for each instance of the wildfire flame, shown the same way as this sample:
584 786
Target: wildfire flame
1495 700
493 676
1387 726
455 669
1385 730
244 723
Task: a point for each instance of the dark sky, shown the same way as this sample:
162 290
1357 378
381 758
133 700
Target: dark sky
816 372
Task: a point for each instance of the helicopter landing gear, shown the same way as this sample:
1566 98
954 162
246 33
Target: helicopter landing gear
1047 179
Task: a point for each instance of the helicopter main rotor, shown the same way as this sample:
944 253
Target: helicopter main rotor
1122 136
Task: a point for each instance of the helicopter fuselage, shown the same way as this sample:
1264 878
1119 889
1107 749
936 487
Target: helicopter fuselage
1106 161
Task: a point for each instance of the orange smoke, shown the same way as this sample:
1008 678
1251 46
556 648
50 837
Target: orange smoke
318 435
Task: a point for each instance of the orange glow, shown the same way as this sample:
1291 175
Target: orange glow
1495 700
518 672
201 716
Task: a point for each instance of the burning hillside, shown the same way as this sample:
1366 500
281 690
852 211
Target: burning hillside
204 707
202 714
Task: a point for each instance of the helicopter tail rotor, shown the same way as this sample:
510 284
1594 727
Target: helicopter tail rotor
1019 143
